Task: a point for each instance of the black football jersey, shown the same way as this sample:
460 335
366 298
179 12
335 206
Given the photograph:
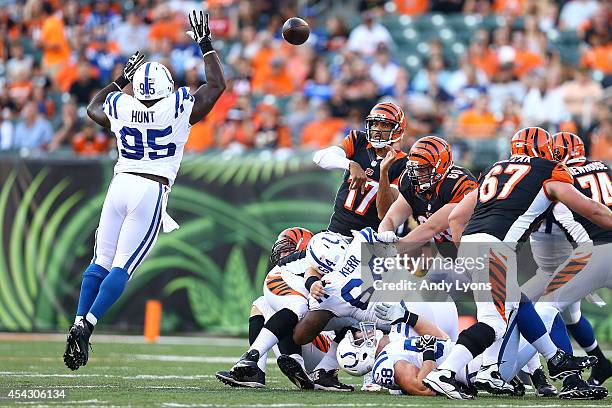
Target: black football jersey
593 180
457 183
353 210
511 197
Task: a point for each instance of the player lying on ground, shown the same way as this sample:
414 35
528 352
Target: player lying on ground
512 195
151 129
273 318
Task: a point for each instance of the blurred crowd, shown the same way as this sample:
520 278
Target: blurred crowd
472 71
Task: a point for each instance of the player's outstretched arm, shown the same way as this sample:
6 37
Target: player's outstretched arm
95 109
460 215
583 205
398 213
206 95
422 234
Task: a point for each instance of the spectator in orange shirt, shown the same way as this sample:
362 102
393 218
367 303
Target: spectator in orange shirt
483 57
236 133
21 87
524 59
165 27
324 131
601 141
411 7
274 80
90 141
56 50
477 122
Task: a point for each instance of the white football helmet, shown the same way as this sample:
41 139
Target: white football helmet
326 250
152 80
356 354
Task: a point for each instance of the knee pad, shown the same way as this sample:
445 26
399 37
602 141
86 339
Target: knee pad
477 338
282 323
572 314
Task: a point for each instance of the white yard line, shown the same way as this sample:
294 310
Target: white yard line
131 339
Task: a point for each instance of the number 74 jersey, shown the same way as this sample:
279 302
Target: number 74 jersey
150 139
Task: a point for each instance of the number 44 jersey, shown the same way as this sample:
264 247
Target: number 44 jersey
150 139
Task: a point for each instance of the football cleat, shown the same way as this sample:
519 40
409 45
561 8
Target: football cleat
600 372
295 372
541 385
254 381
247 365
488 379
443 382
575 388
518 388
77 345
328 381
369 384
561 364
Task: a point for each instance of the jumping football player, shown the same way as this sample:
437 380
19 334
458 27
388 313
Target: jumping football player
512 197
151 129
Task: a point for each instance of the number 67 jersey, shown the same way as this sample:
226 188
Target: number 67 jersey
512 197
150 139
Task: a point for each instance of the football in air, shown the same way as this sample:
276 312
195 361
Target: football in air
296 31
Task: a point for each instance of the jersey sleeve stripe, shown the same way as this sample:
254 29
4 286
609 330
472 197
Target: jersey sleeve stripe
176 104
107 102
115 105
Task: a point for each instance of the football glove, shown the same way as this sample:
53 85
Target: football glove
388 237
129 69
427 343
200 32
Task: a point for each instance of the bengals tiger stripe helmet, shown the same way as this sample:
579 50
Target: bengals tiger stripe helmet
533 142
429 160
385 112
568 148
290 240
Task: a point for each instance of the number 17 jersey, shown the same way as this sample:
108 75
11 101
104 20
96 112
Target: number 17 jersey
150 139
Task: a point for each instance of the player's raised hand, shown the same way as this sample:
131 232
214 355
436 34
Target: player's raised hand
357 177
427 343
132 65
390 158
199 27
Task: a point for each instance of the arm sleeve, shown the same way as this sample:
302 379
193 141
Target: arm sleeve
565 219
333 157
348 144
463 186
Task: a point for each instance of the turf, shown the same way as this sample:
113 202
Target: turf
122 372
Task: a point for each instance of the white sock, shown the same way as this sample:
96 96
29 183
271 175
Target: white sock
264 342
76 319
545 346
329 361
457 359
299 359
262 362
91 319
491 354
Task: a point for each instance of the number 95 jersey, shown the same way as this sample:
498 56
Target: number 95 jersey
150 139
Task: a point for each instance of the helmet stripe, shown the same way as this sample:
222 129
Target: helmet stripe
146 79
385 109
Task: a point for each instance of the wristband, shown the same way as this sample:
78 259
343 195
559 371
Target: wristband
429 355
310 281
206 46
121 82
411 318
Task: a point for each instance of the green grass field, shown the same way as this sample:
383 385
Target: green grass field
176 373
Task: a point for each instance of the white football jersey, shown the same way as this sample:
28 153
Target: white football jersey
150 140
403 348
